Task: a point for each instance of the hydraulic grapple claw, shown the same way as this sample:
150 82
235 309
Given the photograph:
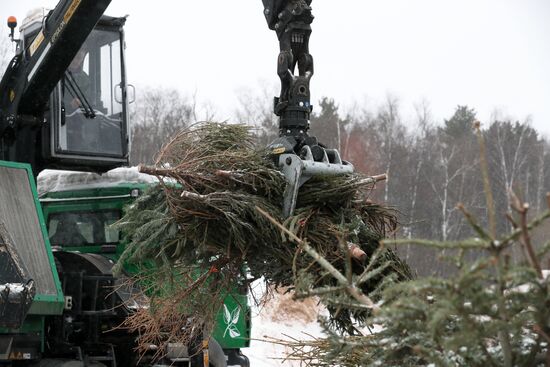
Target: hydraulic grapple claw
299 169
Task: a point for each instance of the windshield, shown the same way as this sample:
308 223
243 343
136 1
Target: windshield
83 228
91 95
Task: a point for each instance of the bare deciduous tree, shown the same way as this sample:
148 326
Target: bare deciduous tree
6 54
256 109
156 116
432 167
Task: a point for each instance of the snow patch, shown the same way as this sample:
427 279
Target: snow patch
13 291
280 317
53 180
12 288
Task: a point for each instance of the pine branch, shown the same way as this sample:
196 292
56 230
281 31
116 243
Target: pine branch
515 235
475 225
318 292
373 179
350 288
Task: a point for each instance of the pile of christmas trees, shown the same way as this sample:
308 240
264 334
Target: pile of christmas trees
212 222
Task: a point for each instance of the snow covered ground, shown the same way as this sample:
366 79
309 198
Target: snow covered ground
281 318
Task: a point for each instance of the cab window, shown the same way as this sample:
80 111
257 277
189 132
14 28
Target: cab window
92 120
71 229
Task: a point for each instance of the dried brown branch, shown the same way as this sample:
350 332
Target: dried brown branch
511 220
374 179
154 171
517 233
522 209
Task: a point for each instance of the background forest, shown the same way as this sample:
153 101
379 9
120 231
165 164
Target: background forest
432 165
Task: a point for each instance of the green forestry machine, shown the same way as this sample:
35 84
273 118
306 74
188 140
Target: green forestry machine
64 105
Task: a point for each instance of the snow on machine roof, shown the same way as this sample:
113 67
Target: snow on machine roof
53 180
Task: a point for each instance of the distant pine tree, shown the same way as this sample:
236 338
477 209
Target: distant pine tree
459 126
325 124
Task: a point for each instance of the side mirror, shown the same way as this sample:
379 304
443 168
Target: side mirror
131 93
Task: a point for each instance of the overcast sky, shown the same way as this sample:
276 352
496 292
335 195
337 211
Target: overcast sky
488 54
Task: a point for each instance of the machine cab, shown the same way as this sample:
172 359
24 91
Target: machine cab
88 121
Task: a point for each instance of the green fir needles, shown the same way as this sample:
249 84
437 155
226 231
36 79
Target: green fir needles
201 219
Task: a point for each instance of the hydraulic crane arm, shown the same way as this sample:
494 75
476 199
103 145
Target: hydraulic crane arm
298 154
291 20
34 72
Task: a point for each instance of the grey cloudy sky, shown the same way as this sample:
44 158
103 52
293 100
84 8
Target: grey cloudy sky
488 54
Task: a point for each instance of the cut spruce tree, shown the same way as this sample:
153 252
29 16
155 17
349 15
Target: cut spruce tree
199 232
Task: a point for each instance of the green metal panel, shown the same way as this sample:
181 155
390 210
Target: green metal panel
33 324
232 328
22 216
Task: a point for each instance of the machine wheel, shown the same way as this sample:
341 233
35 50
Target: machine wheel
235 357
215 354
